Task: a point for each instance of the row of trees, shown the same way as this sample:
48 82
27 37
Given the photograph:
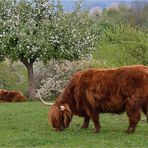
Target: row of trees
123 33
134 14
39 31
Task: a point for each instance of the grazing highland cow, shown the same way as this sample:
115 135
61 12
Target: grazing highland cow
11 96
94 91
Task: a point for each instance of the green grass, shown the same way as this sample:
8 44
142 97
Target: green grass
26 125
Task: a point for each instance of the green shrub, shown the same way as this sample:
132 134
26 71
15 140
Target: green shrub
122 45
13 76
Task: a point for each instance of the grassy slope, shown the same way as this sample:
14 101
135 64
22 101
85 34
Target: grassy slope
26 125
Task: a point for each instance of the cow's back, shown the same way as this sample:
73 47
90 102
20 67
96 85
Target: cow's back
110 88
15 96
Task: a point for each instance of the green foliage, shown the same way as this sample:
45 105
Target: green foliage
113 55
26 125
1 56
123 36
123 44
13 76
39 30
135 14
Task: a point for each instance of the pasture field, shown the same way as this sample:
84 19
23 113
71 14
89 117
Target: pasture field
26 125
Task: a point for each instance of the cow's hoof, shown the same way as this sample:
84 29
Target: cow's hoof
97 130
129 130
84 127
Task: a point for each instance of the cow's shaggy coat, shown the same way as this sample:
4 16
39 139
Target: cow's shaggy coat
94 91
11 96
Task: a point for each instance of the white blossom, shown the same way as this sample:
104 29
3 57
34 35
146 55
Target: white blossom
54 76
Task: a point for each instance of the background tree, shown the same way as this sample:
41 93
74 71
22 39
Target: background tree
95 13
139 11
134 14
39 30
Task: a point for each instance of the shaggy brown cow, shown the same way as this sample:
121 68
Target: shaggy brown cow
94 91
11 96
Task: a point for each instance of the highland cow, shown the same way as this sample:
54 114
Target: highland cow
11 96
94 91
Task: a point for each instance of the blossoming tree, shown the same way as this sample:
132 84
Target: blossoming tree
40 30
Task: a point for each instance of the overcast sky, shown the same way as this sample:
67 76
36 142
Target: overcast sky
98 0
69 4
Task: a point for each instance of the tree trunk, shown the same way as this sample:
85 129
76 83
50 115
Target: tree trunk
31 81
31 84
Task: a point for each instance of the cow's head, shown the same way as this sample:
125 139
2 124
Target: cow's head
3 94
60 116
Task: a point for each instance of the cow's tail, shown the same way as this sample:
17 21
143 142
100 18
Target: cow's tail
43 101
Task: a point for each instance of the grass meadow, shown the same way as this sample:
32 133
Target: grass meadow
26 125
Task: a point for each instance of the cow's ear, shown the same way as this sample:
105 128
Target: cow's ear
62 107
65 107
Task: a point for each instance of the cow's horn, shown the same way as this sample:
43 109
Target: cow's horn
44 102
62 108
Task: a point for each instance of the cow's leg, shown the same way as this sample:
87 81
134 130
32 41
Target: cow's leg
133 112
95 119
145 110
86 122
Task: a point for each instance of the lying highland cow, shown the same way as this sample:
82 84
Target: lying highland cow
11 96
94 91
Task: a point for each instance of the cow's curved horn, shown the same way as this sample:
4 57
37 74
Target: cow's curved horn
44 102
